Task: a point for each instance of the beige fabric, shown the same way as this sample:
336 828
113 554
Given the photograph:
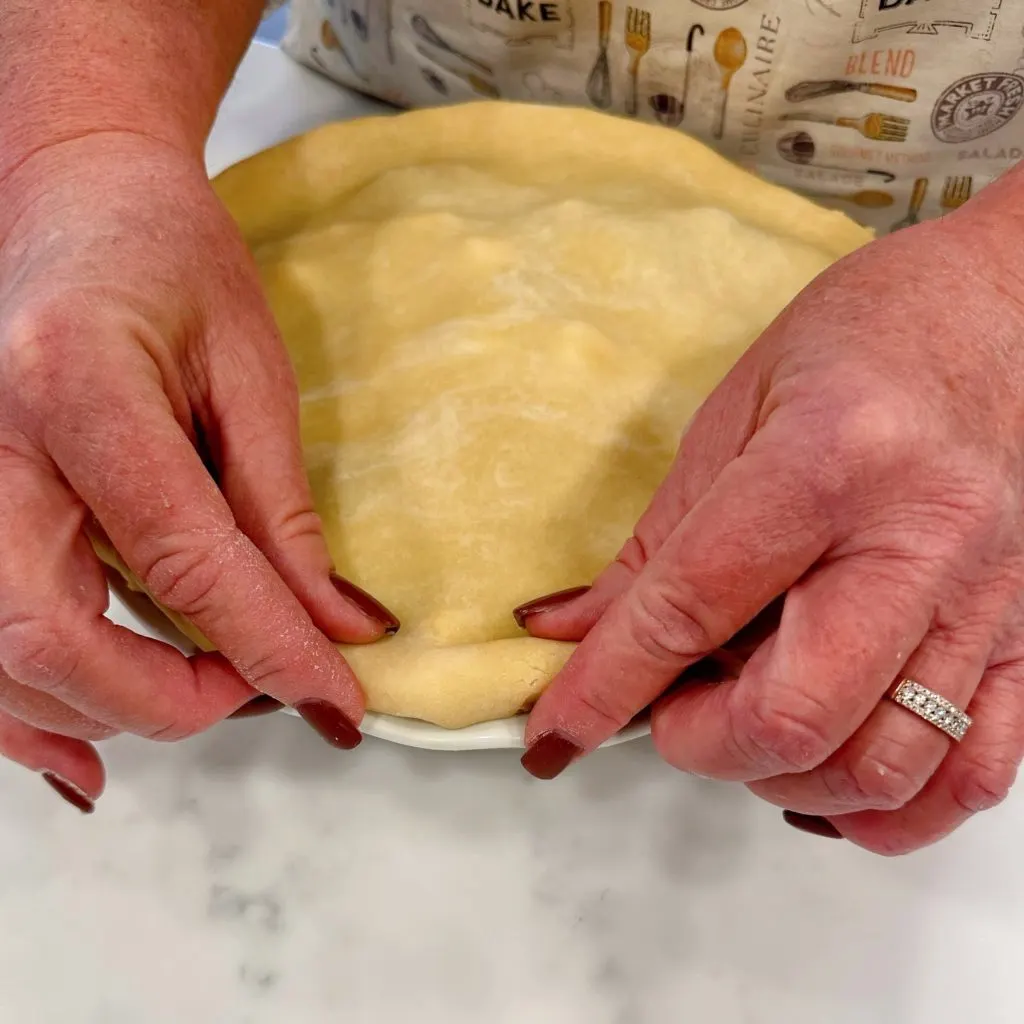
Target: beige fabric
501 318
892 110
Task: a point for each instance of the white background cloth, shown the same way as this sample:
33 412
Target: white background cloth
254 875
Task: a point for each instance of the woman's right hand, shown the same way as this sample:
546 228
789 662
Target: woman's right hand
135 343
860 473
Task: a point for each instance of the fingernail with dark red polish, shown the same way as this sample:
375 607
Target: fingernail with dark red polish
367 604
546 603
549 755
69 791
332 723
812 823
261 705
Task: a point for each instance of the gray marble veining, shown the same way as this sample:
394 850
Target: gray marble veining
254 875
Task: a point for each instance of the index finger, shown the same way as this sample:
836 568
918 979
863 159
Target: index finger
753 534
174 529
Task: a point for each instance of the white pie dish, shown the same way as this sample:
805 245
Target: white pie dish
503 733
135 611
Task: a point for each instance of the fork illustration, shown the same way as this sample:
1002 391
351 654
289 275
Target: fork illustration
877 127
638 42
956 191
914 209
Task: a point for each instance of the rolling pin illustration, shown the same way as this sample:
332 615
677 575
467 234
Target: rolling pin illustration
869 199
803 91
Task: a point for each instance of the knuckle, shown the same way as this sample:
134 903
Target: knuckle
66 722
994 510
878 422
602 706
889 841
38 653
855 438
265 669
255 381
981 783
668 623
998 494
168 720
89 730
880 431
39 710
174 730
876 781
35 349
184 570
788 737
15 452
976 508
297 524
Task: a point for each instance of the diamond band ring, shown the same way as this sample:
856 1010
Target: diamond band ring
935 710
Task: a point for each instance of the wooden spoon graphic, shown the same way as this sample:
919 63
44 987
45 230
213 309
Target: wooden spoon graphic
730 55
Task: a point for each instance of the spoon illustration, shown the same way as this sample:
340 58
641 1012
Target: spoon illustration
423 29
799 148
667 109
730 55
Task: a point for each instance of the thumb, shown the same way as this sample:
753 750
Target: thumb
743 545
718 433
252 430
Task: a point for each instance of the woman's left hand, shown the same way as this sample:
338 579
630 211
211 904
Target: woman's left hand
865 462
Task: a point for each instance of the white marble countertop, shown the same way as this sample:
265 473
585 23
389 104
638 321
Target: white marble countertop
254 875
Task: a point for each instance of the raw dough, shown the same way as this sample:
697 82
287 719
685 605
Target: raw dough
502 317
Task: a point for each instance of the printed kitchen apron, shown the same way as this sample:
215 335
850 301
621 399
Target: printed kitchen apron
894 110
